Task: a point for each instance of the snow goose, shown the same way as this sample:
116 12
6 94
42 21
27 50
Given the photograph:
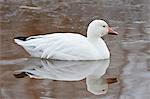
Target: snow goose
70 46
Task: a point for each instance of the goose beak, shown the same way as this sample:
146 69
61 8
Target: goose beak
112 32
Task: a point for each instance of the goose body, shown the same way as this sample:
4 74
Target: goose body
68 46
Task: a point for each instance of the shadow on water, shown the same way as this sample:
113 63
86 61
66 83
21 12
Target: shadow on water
57 78
129 51
92 71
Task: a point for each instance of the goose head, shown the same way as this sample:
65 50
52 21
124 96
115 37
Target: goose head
99 28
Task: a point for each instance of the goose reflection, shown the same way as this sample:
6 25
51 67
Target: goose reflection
92 71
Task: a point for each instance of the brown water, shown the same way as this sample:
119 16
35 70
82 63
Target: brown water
130 51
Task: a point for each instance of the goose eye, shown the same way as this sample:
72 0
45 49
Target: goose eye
104 26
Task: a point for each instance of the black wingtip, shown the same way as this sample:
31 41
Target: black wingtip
21 75
21 38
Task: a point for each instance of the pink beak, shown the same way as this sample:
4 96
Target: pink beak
112 32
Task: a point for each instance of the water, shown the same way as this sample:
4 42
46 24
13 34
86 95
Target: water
130 51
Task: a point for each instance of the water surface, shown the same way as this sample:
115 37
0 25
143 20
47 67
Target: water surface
130 52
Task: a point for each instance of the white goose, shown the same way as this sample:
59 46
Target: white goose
69 46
